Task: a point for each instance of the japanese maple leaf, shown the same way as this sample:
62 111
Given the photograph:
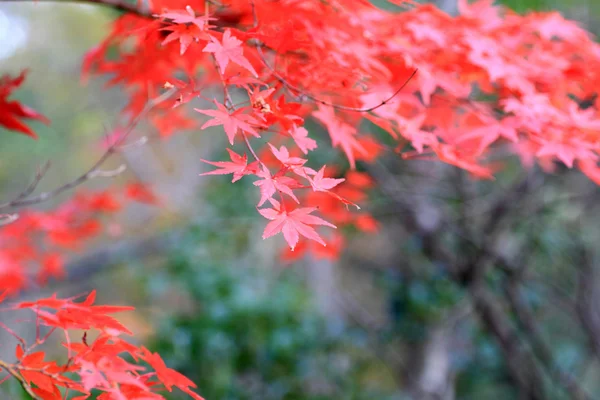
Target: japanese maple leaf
52 265
270 184
185 34
300 136
565 152
186 27
450 155
13 277
321 184
554 24
238 166
231 122
490 132
286 114
342 134
292 163
228 50
187 17
12 111
292 224
77 315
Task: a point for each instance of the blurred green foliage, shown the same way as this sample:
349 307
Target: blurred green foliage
251 336
248 339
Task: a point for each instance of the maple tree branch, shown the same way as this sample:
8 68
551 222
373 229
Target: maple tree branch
584 306
485 255
118 5
477 264
521 366
24 198
9 368
526 320
292 88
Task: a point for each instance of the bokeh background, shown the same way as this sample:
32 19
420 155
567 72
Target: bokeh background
383 322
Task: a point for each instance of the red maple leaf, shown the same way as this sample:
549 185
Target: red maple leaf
300 136
321 184
231 122
238 166
187 17
342 134
292 224
228 50
168 376
270 184
187 27
11 111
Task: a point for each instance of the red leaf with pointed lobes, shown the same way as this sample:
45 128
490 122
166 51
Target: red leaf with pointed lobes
167 376
187 17
283 155
342 134
228 49
270 184
238 166
292 224
187 28
186 36
12 111
300 136
321 184
232 122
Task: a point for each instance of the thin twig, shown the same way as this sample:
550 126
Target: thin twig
15 374
114 4
24 199
293 88
522 368
529 326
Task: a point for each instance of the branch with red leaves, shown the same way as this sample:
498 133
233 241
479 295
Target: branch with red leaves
342 63
25 198
98 364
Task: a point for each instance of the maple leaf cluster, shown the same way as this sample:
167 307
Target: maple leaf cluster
108 364
355 63
450 88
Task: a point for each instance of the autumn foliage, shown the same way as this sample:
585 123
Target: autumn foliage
101 365
457 89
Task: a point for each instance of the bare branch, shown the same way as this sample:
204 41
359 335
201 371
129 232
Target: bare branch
521 365
6 219
530 328
584 302
25 198
118 5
